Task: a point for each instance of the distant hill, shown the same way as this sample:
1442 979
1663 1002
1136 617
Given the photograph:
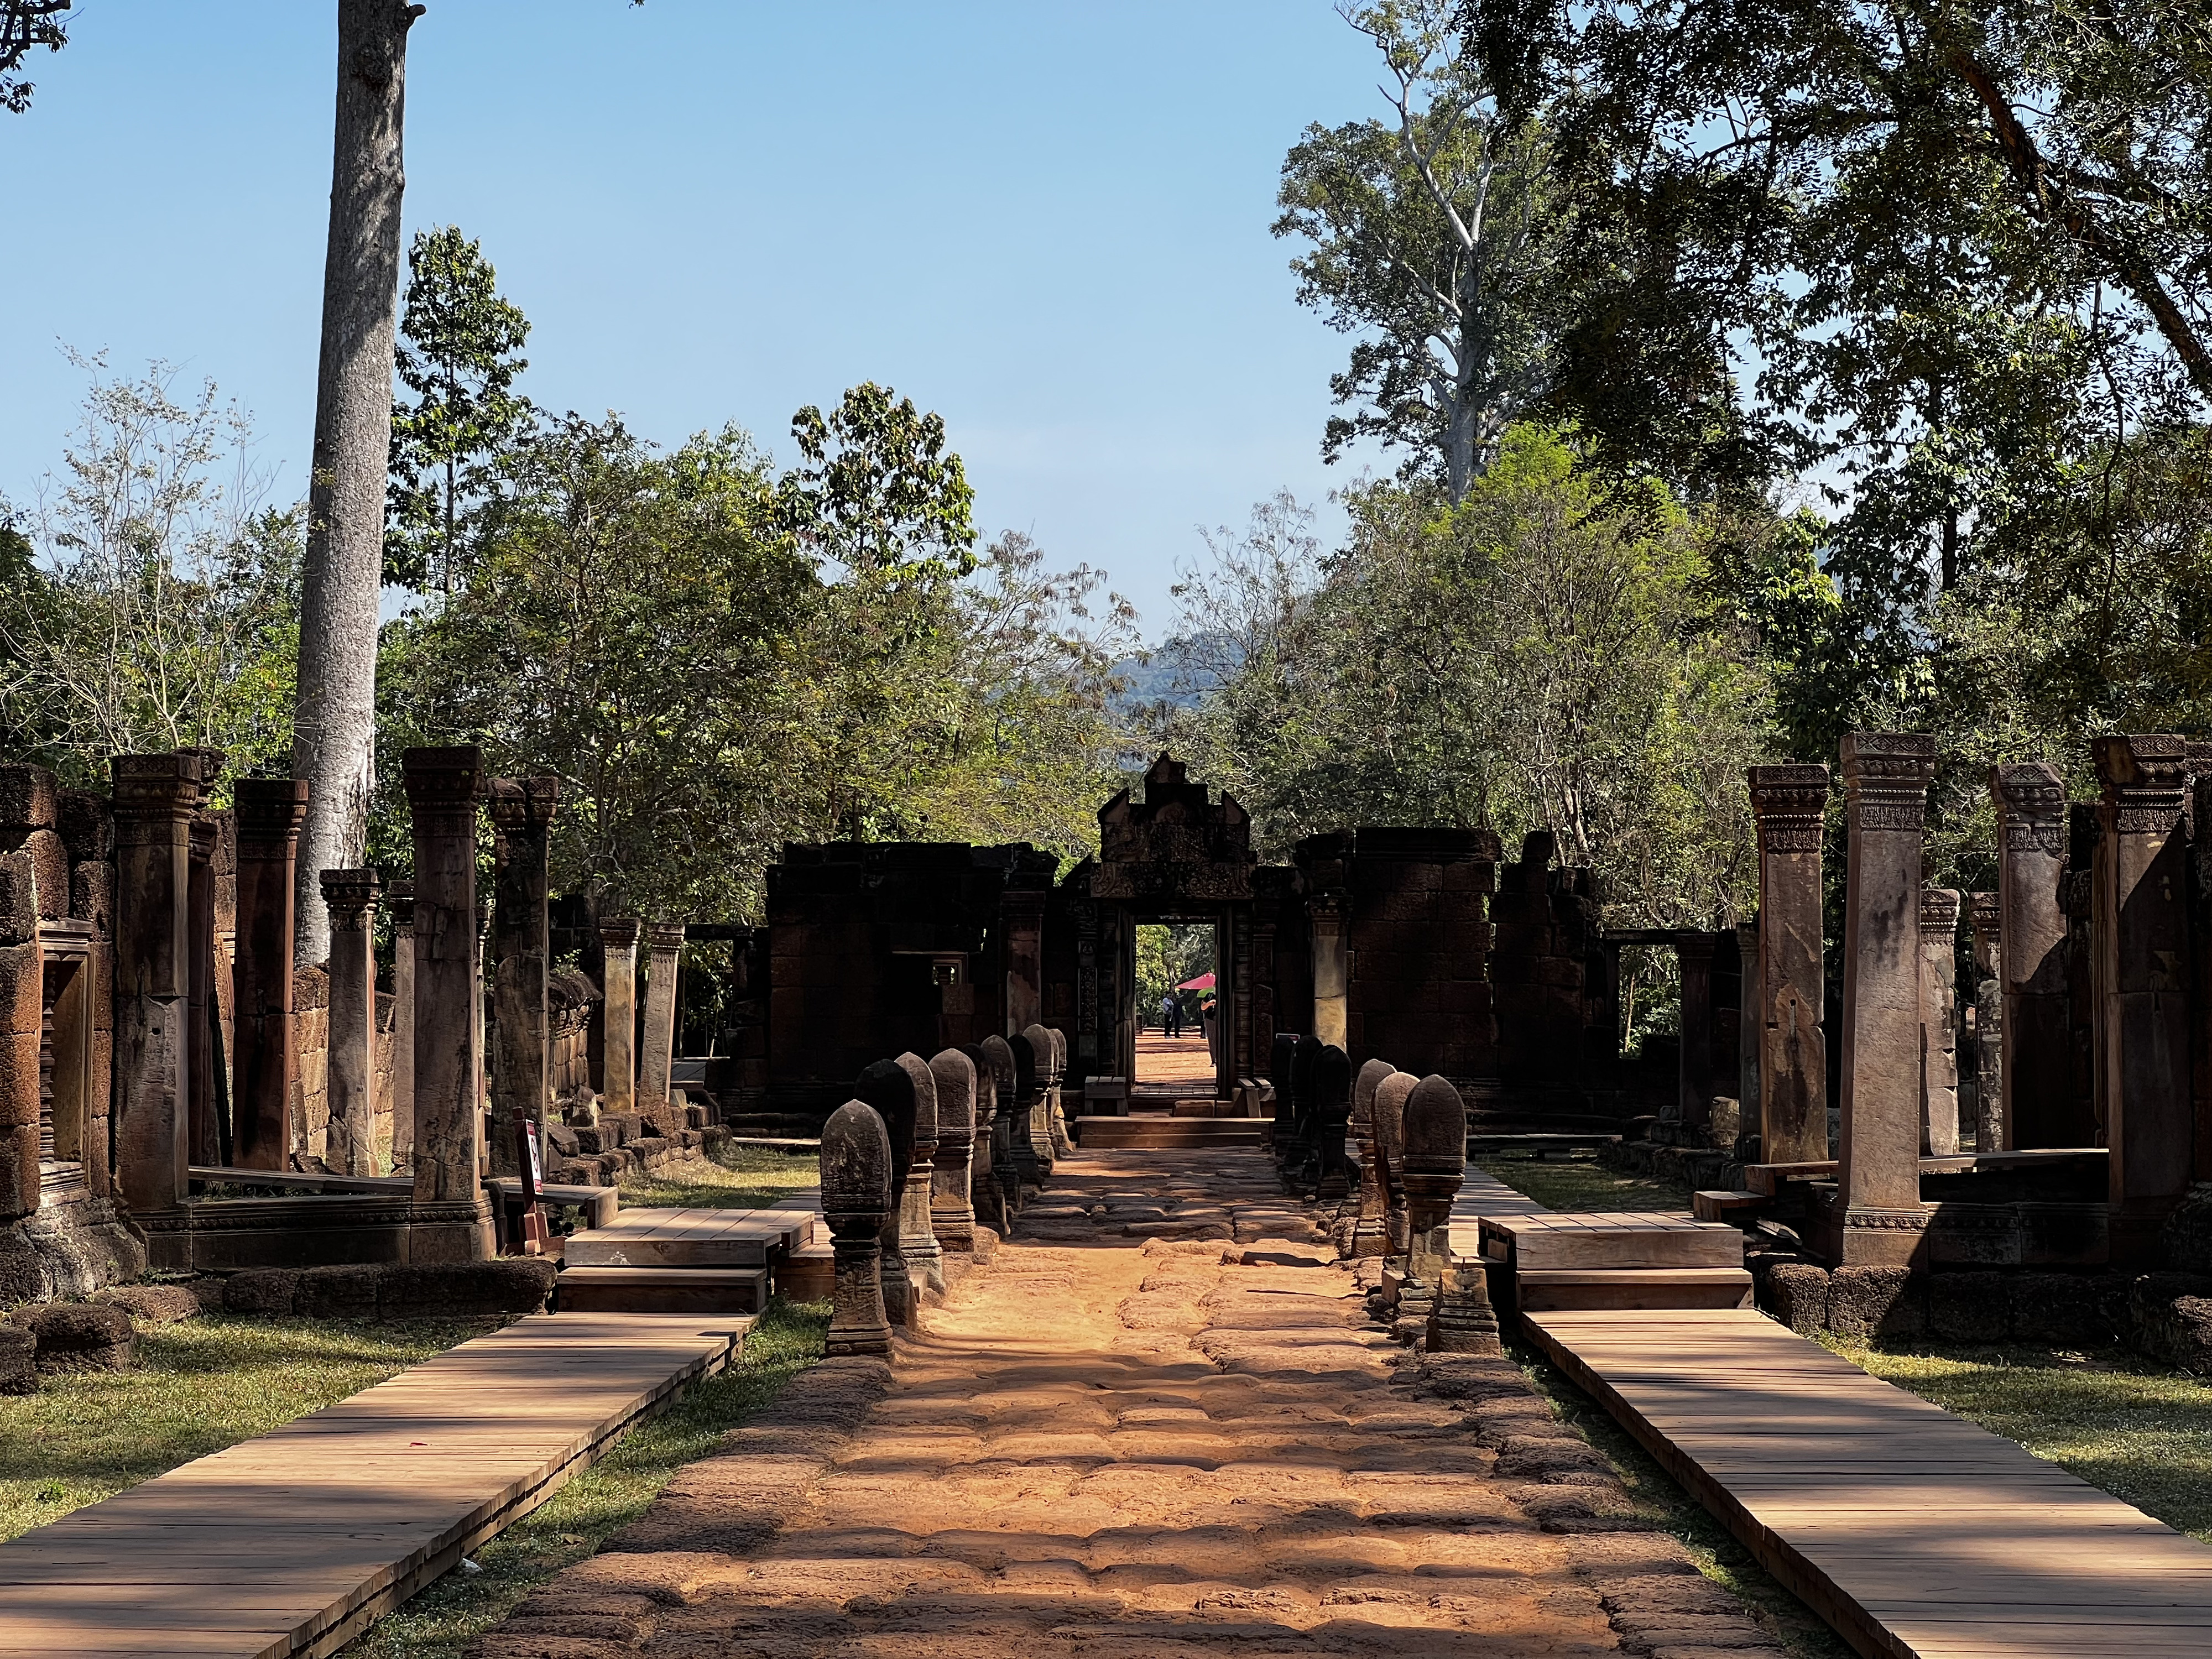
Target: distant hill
1160 675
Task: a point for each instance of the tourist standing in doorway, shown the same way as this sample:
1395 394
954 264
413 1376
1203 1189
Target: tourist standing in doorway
1170 1015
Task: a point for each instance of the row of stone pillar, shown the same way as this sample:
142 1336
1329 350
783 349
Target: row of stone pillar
931 1157
1410 1134
1898 1070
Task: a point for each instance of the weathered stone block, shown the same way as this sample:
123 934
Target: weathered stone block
2170 1318
19 1079
50 864
22 976
260 1291
23 1273
1969 1307
1796 1293
18 898
2187 1234
18 1368
157 1305
92 896
77 1336
344 1291
2066 1310
19 1168
86 830
28 799
466 1289
1867 1303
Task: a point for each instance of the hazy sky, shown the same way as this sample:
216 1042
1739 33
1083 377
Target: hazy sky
1049 222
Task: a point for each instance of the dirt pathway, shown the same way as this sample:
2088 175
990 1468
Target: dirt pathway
1122 1441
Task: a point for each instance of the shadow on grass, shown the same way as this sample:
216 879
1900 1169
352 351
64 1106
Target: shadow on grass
1582 1185
448 1615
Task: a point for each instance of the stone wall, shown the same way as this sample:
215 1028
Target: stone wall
1420 946
311 1098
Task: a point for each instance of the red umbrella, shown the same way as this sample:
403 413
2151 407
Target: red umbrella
1203 982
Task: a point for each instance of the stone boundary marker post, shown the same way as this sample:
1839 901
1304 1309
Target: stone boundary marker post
1370 1232
952 1181
1790 803
997 1189
1988 1059
1390 1164
1882 1222
885 1086
925 1257
856 1188
402 1026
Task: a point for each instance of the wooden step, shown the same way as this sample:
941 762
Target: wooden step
691 1238
809 1274
1718 1204
1630 1240
663 1290
1547 1289
1154 1134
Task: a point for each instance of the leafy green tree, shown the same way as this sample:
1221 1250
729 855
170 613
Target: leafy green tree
1432 239
458 353
879 495
151 598
24 25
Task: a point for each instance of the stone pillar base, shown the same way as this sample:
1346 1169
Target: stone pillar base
441 1233
1860 1237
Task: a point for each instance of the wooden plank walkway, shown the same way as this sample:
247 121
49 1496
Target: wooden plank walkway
1910 1530
291 1543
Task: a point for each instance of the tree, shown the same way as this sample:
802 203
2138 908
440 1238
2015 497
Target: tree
154 603
24 25
458 348
1432 238
878 496
334 721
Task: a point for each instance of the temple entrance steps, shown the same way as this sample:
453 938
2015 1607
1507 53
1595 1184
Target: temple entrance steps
685 1262
1608 1261
1149 1132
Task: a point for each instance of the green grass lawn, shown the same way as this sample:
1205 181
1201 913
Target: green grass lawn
731 1178
1577 1185
199 1386
441 1622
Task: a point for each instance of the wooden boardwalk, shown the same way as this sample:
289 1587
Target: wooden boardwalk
291 1543
1910 1530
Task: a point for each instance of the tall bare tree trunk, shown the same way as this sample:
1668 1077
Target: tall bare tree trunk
334 729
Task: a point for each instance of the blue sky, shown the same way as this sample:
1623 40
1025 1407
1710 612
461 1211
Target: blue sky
1047 222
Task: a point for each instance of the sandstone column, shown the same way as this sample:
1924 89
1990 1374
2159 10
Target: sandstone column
618 1016
22 976
1939 1022
1370 1233
998 1190
1021 917
451 1221
1390 1096
2139 930
1988 1059
207 1132
1331 968
856 1174
1693 1086
1793 1057
1743 1064
155 799
925 1257
403 1027
265 1044
951 1194
664 943
1879 1217
351 896
2039 1108
522 812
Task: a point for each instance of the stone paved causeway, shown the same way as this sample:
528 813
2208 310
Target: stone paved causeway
1157 1424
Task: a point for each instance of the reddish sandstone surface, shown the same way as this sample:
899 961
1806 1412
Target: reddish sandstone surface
1158 1423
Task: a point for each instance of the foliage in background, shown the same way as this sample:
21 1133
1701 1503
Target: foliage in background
1167 953
151 598
1553 653
459 352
